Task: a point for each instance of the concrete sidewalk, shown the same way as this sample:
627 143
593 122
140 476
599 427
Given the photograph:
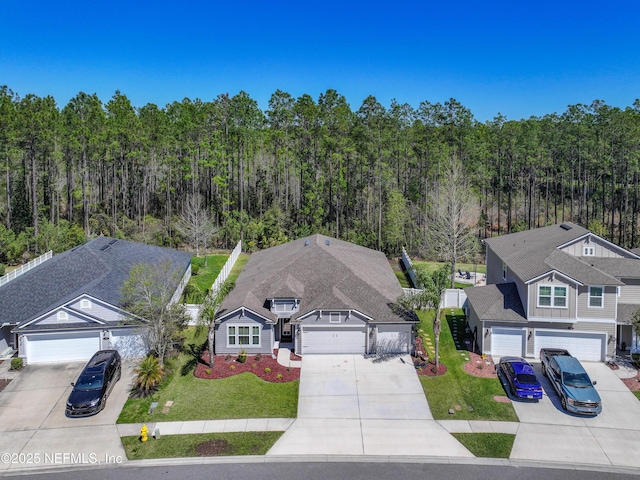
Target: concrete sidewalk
208 426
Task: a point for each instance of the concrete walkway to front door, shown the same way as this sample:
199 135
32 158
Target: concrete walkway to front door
350 405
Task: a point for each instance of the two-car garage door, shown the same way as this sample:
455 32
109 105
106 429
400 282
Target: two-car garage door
62 347
333 340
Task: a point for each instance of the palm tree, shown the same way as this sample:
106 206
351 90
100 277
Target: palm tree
210 307
149 373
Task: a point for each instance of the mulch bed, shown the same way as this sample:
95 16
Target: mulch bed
295 357
226 366
423 367
481 369
632 383
4 383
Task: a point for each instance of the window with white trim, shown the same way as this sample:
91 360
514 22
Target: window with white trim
243 335
588 251
62 316
334 317
552 296
596 297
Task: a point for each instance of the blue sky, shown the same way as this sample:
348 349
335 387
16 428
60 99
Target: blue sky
515 58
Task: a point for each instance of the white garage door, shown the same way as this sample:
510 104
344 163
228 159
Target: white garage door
65 347
130 343
333 340
390 340
507 342
583 346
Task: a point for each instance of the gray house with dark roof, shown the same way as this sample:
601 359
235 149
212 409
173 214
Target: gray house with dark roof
68 307
320 294
558 286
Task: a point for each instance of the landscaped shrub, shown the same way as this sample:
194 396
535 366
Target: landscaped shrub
16 363
258 357
195 268
149 374
242 356
267 370
2 269
279 376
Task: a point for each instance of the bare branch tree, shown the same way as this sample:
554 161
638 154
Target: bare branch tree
209 310
195 223
147 295
451 219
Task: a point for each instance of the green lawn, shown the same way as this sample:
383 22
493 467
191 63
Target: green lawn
207 275
238 266
402 278
473 395
637 394
479 268
236 443
493 445
240 396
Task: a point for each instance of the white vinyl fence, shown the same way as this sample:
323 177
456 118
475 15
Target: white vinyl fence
408 266
25 268
194 309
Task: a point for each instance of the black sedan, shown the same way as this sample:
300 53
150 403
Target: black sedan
90 391
520 376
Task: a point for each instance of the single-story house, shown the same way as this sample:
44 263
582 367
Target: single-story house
319 294
69 307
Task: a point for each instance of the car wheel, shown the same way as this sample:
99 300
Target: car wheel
563 402
544 370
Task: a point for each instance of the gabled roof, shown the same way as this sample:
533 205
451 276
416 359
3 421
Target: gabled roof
533 253
324 273
97 268
499 302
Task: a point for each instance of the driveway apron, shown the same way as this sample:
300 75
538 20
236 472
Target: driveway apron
548 433
35 431
351 405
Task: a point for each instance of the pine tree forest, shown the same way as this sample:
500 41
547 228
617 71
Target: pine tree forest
366 175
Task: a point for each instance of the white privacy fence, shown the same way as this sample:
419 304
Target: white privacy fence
25 268
194 309
408 266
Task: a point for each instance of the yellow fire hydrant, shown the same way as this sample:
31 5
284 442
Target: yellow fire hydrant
143 433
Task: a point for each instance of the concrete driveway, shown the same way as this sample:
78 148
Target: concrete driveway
350 405
35 430
548 433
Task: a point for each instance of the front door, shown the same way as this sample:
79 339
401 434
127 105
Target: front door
285 333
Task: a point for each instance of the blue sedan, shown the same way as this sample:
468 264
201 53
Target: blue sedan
520 376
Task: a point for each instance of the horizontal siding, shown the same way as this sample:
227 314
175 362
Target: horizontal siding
608 310
99 310
52 319
630 292
266 335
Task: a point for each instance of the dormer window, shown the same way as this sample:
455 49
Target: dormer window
62 316
504 271
588 251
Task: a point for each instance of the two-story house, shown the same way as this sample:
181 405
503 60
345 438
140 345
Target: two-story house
558 286
318 294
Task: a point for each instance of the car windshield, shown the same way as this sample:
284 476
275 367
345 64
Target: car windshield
89 382
577 380
526 379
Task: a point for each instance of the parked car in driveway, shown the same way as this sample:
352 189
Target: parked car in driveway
95 383
571 381
520 377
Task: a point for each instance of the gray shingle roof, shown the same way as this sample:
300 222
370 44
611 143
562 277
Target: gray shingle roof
499 302
532 253
97 268
617 267
625 312
340 275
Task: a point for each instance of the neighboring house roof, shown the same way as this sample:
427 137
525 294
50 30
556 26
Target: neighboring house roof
533 253
617 267
324 273
625 312
97 268
499 302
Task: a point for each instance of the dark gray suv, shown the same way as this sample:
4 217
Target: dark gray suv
90 391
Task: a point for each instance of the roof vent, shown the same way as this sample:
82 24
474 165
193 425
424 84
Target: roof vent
111 242
326 242
565 226
307 242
